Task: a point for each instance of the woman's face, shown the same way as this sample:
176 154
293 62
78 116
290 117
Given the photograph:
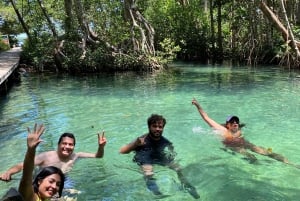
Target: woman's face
49 186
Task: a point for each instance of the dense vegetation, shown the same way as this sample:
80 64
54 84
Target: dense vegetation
119 35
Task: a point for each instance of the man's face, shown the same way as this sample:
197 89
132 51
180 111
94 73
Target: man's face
233 126
156 129
66 146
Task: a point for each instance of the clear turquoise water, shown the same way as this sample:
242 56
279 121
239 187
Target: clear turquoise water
266 99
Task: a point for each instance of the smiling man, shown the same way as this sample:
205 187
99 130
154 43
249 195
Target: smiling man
64 157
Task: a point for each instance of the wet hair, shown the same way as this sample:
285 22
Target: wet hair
70 135
45 172
154 118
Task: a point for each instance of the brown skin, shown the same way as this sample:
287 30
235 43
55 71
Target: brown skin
155 132
232 136
49 186
63 158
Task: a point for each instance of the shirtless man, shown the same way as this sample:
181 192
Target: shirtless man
63 158
232 137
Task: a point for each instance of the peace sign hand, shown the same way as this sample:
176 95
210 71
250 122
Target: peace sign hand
101 139
33 138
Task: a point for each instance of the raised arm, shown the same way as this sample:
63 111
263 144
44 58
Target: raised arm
102 143
33 140
133 145
100 151
206 118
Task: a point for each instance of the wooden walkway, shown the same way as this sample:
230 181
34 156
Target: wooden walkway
9 62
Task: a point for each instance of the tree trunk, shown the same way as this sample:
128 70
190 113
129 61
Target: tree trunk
290 33
183 2
220 38
297 14
50 24
278 25
83 26
233 28
145 42
212 29
68 18
205 6
20 18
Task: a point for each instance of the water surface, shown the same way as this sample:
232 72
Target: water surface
266 99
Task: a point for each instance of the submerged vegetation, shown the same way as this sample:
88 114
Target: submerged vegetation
88 36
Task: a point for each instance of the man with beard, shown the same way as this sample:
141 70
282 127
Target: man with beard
152 148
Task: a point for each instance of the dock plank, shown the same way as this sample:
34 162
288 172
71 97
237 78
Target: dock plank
9 61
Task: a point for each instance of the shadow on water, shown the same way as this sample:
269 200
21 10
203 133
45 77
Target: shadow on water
237 183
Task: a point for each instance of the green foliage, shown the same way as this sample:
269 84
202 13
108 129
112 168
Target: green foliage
186 25
296 31
9 23
40 52
3 46
169 50
182 32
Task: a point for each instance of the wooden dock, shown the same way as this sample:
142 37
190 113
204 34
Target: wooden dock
9 61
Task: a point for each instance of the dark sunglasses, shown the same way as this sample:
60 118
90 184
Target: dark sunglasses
236 121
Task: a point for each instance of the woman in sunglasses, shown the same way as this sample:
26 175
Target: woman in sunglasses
232 137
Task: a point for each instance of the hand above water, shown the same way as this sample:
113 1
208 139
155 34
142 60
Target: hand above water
195 102
140 141
101 139
33 138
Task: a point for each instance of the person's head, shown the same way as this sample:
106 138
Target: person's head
232 123
49 181
66 144
156 124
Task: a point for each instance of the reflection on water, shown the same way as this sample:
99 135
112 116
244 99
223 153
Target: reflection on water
266 99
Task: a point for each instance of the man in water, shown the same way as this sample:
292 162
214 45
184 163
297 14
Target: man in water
232 137
152 148
64 157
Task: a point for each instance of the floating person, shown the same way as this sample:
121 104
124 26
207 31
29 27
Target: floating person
233 139
152 148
